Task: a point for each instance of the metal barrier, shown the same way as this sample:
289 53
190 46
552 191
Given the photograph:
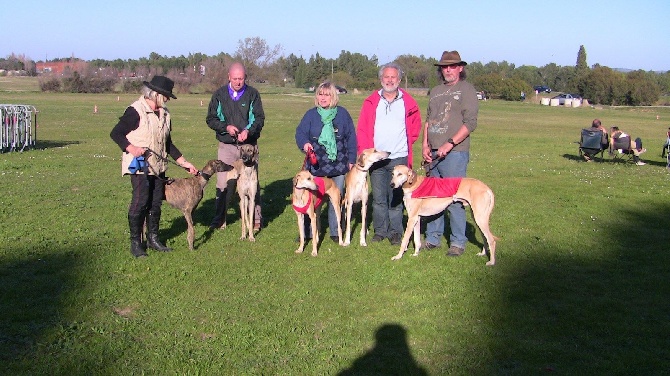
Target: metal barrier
18 130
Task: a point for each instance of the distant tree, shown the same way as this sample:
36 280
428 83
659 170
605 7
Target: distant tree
256 55
599 85
643 90
663 81
549 75
290 65
528 74
581 60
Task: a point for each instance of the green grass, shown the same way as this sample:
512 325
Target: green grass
581 284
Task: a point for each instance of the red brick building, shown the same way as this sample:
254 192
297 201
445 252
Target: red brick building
58 67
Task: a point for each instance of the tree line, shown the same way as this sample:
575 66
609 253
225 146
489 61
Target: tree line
199 72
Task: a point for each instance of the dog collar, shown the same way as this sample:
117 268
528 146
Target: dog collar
206 176
319 193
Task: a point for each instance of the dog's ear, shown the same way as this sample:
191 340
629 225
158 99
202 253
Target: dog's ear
227 167
295 180
359 160
410 176
255 158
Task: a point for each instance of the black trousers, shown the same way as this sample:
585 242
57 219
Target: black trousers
148 193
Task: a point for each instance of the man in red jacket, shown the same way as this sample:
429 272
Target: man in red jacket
389 121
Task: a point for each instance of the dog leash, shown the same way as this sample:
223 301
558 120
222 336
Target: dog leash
168 180
310 157
430 166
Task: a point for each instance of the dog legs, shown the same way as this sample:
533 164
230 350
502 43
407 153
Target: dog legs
412 228
335 200
190 232
247 208
314 218
481 212
347 235
364 228
301 231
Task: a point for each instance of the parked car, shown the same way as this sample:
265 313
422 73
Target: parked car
481 95
562 97
542 89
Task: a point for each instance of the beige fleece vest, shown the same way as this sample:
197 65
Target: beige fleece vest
152 133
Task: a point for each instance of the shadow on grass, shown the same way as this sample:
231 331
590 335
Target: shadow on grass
34 292
52 144
600 308
608 160
391 355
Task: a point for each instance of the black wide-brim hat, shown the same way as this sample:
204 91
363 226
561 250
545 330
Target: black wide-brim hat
161 84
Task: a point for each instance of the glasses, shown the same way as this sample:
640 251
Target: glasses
451 67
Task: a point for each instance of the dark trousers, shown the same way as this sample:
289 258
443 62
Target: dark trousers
148 193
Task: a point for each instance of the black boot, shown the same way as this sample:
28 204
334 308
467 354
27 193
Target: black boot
137 247
220 209
153 220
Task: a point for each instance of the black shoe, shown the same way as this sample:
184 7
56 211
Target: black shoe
395 239
455 251
428 246
335 238
377 238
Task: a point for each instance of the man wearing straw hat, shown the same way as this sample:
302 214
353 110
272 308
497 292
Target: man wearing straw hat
451 117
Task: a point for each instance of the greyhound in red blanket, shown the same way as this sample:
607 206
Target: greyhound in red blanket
308 197
429 196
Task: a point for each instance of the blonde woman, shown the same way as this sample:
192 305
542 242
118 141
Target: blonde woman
328 130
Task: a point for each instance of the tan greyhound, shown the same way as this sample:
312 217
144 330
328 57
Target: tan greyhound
470 192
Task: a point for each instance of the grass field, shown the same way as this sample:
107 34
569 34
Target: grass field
580 287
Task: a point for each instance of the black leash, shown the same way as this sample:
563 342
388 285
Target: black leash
430 166
168 180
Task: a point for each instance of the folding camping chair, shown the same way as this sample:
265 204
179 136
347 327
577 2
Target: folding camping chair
621 149
590 144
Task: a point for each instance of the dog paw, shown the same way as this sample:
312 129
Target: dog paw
364 244
345 244
482 253
252 239
396 257
299 250
490 263
314 254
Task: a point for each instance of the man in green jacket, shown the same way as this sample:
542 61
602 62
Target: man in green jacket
236 115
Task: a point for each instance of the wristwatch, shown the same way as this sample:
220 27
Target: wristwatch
451 141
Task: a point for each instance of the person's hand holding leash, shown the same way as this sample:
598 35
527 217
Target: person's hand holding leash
232 130
242 136
443 150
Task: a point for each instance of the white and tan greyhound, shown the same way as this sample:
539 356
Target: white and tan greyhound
434 197
356 189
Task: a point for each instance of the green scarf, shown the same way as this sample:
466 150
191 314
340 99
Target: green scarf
327 137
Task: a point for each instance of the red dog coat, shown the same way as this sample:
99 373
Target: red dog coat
321 190
437 187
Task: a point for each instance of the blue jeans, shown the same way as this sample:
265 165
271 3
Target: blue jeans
387 206
332 218
453 165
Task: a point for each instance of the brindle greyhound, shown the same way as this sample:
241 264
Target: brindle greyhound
185 193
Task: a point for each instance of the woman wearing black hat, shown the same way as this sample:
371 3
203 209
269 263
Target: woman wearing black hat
144 131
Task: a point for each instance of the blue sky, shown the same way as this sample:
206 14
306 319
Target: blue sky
617 34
